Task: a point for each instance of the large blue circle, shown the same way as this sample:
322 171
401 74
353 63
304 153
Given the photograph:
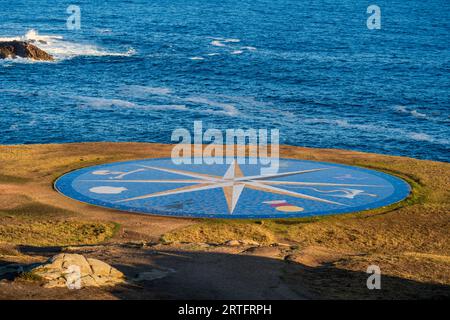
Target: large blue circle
300 188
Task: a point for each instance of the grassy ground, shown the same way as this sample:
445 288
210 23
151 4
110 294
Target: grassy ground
27 222
409 240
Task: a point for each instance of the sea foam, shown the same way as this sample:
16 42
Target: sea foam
141 91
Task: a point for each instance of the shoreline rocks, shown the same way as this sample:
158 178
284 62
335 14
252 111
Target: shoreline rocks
23 49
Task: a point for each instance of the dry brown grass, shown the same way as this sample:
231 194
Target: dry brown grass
55 233
218 232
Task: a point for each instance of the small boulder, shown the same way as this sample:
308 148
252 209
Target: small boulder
232 243
23 49
237 243
65 269
249 243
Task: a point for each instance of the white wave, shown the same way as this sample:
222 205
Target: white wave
175 107
405 110
33 36
197 58
417 114
392 132
14 91
139 91
232 44
421 137
9 62
228 110
401 109
63 49
103 31
213 54
345 124
232 40
224 108
104 102
218 43
175 102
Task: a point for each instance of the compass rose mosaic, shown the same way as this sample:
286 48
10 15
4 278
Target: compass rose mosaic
234 190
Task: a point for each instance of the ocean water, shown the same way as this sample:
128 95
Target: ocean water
139 69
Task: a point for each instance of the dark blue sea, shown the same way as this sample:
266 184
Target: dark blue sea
136 70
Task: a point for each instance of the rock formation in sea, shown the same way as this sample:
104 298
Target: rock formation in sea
23 49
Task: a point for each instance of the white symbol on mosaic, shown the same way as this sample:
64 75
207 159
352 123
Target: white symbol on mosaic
343 193
120 174
107 190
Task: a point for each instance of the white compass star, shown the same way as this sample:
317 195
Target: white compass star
232 184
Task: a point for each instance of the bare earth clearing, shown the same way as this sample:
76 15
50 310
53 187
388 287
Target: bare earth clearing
193 259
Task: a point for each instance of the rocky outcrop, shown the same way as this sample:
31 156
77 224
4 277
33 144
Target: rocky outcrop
74 270
23 49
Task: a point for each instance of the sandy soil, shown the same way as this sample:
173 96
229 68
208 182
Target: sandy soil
296 259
